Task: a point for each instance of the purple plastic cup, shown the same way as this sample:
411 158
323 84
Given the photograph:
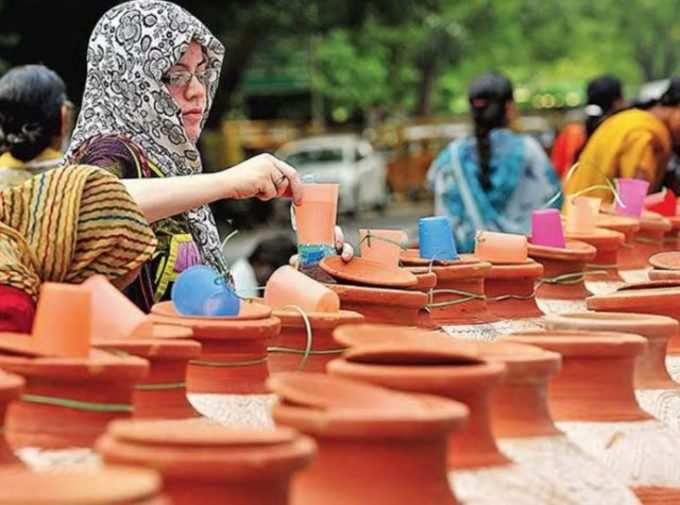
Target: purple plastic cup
546 228
632 193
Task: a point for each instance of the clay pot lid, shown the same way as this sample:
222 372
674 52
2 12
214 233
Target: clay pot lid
197 432
426 278
319 320
411 257
504 271
367 272
100 364
646 325
666 260
20 344
664 275
599 236
151 348
575 250
110 485
249 311
159 331
10 385
368 294
319 391
577 343
623 224
651 221
637 297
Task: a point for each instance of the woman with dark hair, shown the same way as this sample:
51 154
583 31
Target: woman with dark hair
34 119
605 97
634 143
494 179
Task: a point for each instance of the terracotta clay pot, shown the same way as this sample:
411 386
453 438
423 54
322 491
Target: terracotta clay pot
459 296
210 464
669 260
510 290
385 306
629 257
288 350
367 273
650 238
111 485
10 389
671 240
68 402
664 275
162 395
233 358
608 243
593 400
563 270
375 446
426 279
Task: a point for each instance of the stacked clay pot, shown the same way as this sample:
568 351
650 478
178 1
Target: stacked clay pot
651 238
519 413
629 257
208 464
10 389
594 402
374 446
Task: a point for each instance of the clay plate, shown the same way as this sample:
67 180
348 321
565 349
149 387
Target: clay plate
368 272
666 260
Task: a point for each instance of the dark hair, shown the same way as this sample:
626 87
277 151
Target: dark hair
275 251
488 95
31 98
603 92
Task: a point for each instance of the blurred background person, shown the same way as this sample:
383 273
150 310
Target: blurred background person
35 116
604 98
491 180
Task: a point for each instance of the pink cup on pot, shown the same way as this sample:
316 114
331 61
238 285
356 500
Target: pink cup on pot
632 193
546 228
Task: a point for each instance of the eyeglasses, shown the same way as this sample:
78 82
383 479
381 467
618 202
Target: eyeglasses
182 78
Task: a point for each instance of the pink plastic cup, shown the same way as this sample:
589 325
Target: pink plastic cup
546 228
582 214
289 288
382 246
632 193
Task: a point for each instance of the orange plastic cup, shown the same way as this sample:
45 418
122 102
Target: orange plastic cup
63 320
287 287
582 214
501 247
114 316
382 246
315 219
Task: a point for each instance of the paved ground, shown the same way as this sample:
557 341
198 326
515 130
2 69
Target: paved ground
402 215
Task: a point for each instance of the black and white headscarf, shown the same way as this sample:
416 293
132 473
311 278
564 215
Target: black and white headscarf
133 45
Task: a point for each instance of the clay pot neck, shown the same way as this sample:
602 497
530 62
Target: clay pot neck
595 389
520 409
650 368
475 445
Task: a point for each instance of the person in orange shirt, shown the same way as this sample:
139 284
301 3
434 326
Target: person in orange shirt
605 97
635 143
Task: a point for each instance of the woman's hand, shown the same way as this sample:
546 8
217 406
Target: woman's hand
344 249
263 176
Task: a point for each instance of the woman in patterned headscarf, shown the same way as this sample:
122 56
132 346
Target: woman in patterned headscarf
152 75
66 225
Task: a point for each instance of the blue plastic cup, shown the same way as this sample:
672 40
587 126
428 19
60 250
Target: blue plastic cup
436 239
201 291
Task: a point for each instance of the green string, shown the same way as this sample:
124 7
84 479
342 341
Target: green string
309 337
599 267
161 387
467 297
290 350
608 187
227 364
77 404
368 237
564 279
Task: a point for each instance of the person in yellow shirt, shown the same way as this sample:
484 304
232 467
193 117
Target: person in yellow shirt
34 119
635 143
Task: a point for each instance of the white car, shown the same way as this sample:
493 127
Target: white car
347 160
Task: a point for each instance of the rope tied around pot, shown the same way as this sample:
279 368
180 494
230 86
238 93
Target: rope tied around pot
161 387
80 405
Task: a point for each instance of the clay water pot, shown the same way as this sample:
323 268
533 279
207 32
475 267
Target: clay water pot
426 362
307 348
208 464
671 240
651 237
10 389
510 290
459 296
67 402
608 243
163 394
374 446
233 356
593 400
110 485
563 270
664 275
629 257
656 392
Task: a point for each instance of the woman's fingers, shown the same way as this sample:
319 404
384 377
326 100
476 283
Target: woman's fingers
347 253
295 183
339 239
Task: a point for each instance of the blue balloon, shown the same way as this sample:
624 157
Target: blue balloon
201 291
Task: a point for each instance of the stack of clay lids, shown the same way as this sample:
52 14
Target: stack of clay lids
666 266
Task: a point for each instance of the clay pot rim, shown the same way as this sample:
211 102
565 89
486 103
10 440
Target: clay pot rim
618 223
411 257
600 235
397 297
435 415
507 271
355 335
166 331
10 385
664 275
646 325
153 348
634 298
575 250
575 343
657 260
107 485
655 224
292 318
373 273
254 311
226 330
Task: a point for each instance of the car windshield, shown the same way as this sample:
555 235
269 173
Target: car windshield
314 157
